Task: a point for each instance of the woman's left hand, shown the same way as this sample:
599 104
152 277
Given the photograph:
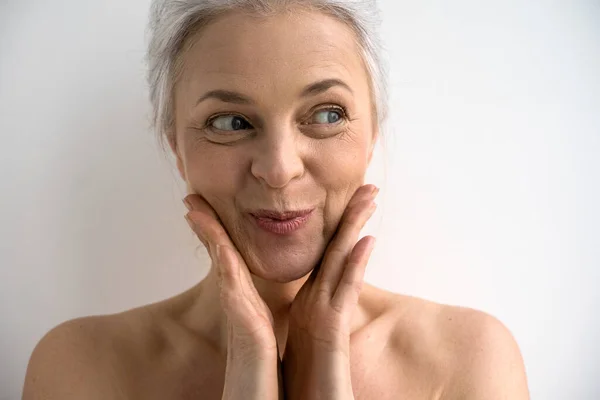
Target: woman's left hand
316 363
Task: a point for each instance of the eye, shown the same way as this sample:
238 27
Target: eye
328 116
229 123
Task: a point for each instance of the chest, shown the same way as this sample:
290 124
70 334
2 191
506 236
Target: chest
374 377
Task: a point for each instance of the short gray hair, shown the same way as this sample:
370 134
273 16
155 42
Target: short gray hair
172 22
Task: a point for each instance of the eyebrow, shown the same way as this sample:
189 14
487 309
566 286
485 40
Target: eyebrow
323 86
226 96
313 89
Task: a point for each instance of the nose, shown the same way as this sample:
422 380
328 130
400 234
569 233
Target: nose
277 160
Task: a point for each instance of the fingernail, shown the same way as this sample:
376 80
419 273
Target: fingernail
187 204
373 207
373 242
375 191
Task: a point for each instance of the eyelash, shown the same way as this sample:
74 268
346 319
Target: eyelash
341 109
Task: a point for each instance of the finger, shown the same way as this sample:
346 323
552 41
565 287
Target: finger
209 228
199 203
209 231
199 234
235 287
232 294
362 193
238 293
362 197
206 223
229 272
348 290
337 252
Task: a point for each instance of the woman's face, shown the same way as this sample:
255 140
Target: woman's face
274 115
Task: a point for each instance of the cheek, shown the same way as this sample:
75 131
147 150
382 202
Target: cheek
344 161
215 175
212 168
342 173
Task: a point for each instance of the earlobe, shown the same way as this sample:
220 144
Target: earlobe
374 139
173 145
180 167
372 147
172 141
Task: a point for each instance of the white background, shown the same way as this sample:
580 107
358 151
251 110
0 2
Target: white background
490 174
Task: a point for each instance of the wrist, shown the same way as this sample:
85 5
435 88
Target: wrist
258 357
314 371
251 347
252 375
301 341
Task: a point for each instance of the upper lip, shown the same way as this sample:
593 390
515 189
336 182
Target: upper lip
281 215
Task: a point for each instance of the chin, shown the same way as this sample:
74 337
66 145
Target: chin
280 258
283 268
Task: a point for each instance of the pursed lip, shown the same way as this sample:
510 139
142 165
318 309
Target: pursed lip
281 215
281 222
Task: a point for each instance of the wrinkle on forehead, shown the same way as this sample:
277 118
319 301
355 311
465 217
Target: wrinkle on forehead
270 59
256 46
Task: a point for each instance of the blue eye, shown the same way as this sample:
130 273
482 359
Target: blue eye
328 116
230 123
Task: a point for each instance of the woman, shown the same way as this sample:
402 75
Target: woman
272 109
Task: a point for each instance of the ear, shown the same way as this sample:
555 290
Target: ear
373 143
172 139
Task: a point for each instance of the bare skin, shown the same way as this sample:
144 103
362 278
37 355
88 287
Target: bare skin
286 151
401 348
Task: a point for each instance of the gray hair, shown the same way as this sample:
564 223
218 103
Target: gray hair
172 22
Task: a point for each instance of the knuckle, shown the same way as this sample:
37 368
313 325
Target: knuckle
337 308
353 217
322 291
337 249
354 286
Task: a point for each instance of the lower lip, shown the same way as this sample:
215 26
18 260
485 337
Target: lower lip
282 227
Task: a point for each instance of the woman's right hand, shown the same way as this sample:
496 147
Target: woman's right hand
253 365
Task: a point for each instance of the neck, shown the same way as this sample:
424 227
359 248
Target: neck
206 315
279 297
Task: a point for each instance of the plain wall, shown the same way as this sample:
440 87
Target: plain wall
490 174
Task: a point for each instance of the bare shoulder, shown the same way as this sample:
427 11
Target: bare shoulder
471 354
145 352
90 357
487 360
66 362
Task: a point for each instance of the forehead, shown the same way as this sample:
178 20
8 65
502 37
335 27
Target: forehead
284 52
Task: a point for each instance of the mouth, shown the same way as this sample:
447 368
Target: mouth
281 222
